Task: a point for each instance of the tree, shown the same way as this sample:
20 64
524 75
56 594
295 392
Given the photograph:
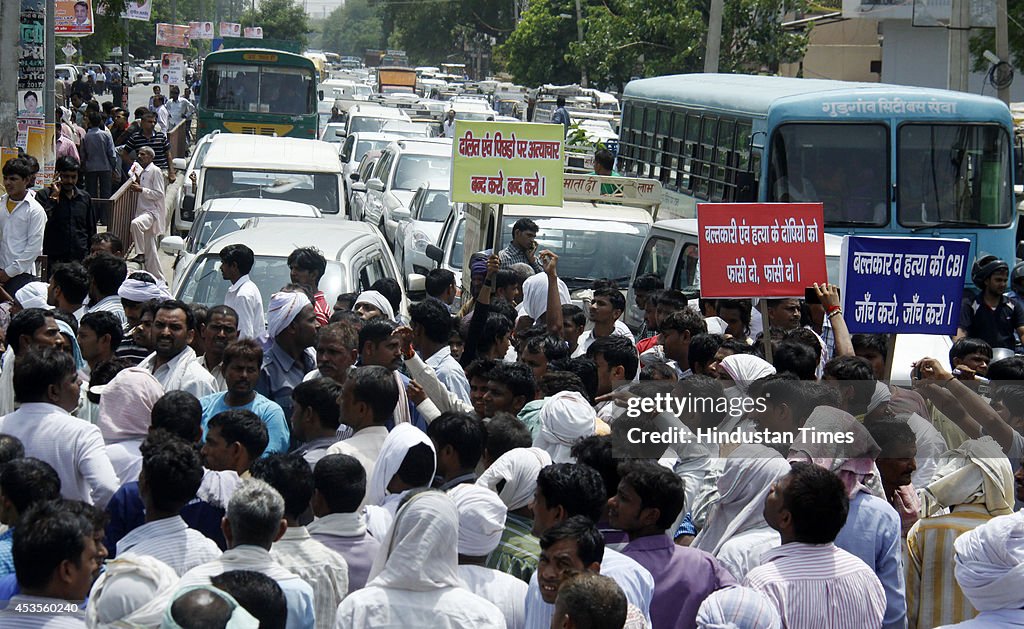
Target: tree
352 28
753 38
537 51
431 32
281 19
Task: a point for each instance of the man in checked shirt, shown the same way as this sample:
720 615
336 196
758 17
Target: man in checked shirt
522 247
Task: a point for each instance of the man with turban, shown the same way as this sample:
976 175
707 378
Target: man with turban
288 353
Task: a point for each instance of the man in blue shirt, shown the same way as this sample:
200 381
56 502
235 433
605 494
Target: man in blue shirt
241 368
292 326
561 114
431 329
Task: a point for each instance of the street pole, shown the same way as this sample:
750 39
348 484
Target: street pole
49 94
714 43
126 70
10 25
579 38
1002 45
958 40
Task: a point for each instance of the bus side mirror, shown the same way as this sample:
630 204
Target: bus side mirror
320 94
746 188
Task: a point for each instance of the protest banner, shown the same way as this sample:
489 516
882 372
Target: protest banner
507 162
760 249
72 18
903 285
200 30
172 68
254 32
230 29
172 35
138 10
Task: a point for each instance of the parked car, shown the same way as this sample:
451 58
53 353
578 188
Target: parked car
371 117
428 210
356 253
355 148
330 133
357 189
219 217
181 221
404 167
403 129
447 252
141 75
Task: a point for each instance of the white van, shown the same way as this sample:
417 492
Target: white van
258 167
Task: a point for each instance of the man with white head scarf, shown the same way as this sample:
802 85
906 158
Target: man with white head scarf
481 523
736 532
133 591
415 580
33 295
407 460
370 304
833 439
125 406
989 569
288 353
565 418
975 482
738 608
513 476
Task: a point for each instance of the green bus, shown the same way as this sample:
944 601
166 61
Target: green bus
260 92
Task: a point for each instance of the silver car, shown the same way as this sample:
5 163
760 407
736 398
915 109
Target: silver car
355 147
429 209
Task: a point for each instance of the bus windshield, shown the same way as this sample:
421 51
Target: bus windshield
953 175
843 166
259 89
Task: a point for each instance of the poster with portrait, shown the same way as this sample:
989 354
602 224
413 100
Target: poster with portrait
200 30
31 67
73 18
172 68
138 10
254 32
172 35
230 29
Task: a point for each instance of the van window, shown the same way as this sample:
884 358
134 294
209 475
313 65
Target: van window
656 257
374 270
687 278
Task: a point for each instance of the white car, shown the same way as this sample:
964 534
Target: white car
372 117
182 220
403 168
357 187
448 251
402 129
356 258
354 149
428 211
219 217
330 133
141 75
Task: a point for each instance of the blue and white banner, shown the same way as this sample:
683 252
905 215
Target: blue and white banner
903 285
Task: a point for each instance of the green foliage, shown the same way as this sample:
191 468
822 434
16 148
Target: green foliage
983 39
352 28
280 19
435 32
753 39
577 137
537 51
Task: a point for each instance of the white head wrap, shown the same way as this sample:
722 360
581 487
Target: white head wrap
975 473
33 295
749 472
126 404
518 468
284 307
140 291
420 552
990 563
481 519
565 418
881 396
377 300
133 591
738 608
240 618
745 368
535 295
392 452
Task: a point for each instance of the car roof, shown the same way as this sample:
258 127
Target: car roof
262 206
238 150
581 209
424 146
688 226
278 238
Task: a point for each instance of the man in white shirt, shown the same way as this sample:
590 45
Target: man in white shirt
254 521
163 117
243 295
30 328
106 274
174 363
296 550
367 401
148 182
221 330
22 222
171 474
178 108
605 309
431 326
46 382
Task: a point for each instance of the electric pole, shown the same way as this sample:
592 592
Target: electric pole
1002 45
714 44
959 31
10 25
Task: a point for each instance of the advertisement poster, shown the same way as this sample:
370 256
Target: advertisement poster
73 18
230 29
172 68
254 32
200 30
172 35
31 68
138 10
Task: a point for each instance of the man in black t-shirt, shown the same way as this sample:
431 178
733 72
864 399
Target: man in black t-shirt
990 315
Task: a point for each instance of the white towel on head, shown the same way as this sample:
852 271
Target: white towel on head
990 563
565 418
33 295
284 307
140 291
481 519
517 469
377 300
133 591
392 452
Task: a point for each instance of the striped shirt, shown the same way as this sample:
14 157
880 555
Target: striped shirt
318 566
518 551
819 586
158 142
933 596
171 541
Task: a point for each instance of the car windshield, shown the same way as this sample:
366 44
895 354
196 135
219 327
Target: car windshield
474 115
419 171
588 249
406 130
367 124
365 146
436 206
213 225
259 89
316 189
204 284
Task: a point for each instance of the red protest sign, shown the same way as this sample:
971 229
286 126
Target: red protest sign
760 249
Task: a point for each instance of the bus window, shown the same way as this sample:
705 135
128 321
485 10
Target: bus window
231 87
285 90
843 166
953 174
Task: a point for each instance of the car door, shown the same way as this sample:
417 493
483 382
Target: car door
374 206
